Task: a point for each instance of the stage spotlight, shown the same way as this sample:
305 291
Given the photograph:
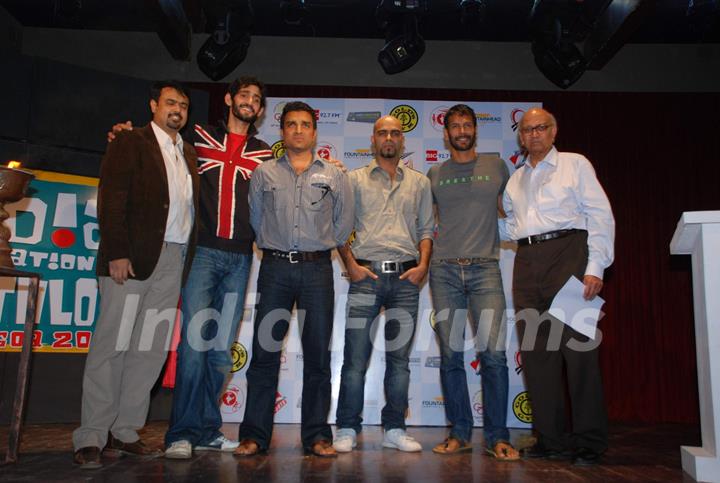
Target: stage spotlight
228 45
554 33
563 63
403 46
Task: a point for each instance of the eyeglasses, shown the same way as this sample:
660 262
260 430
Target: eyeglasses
541 128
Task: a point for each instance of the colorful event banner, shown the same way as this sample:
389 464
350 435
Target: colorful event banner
55 233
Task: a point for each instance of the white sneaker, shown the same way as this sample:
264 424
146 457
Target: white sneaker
345 440
179 450
397 438
221 443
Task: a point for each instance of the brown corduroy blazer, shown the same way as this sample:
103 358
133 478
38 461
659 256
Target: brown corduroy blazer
133 202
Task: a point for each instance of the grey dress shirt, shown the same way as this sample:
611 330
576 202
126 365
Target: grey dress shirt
309 212
391 218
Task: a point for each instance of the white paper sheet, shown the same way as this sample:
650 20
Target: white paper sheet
570 307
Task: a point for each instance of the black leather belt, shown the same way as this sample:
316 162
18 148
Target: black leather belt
295 256
551 235
388 267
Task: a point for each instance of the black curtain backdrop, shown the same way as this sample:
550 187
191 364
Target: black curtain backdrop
656 154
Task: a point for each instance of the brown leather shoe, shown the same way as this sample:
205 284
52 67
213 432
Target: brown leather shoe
137 448
248 447
88 458
322 448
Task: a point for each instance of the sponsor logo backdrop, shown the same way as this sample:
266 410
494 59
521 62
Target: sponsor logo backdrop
344 129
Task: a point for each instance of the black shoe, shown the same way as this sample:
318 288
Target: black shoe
88 458
539 451
586 457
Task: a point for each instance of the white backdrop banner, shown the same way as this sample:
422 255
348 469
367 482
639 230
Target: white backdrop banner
344 129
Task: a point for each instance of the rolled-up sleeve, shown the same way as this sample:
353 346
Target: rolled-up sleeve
425 219
343 209
255 199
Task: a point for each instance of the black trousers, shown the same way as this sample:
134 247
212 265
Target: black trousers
550 349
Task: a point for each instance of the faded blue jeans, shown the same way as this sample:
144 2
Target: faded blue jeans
472 291
365 299
217 281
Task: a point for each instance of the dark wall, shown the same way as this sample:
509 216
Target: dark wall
55 117
655 154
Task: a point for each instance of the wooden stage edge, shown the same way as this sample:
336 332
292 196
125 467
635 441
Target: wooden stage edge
642 453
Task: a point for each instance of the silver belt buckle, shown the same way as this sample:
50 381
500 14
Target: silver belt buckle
291 257
390 267
464 261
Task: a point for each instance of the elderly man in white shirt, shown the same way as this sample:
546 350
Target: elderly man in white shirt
561 218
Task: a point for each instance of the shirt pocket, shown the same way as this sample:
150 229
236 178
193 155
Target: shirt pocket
274 198
319 198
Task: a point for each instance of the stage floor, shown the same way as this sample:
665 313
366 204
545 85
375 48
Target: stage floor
637 453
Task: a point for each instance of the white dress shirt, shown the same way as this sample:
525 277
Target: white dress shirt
180 212
561 192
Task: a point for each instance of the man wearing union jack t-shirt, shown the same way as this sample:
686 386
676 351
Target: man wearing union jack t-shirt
213 297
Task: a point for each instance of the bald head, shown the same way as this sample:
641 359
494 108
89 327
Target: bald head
537 131
388 138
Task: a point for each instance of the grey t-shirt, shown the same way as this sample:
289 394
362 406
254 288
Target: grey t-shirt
466 196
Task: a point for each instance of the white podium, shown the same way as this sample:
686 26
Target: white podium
698 234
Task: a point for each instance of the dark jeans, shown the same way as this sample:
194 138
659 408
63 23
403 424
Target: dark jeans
217 281
365 299
472 291
540 272
281 285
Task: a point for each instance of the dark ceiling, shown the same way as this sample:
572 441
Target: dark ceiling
663 21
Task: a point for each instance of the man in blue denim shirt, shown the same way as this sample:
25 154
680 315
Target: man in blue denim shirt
386 263
465 281
300 208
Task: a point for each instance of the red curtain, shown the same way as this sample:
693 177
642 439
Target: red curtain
656 154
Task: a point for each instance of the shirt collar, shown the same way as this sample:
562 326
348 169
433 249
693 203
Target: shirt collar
284 159
550 159
164 138
373 166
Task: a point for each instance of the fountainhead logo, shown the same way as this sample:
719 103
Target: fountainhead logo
437 118
278 149
521 407
239 356
407 115
515 116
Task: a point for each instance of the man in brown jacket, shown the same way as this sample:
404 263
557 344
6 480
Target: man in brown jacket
146 204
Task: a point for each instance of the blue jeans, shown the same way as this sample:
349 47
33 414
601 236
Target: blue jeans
475 290
281 285
365 298
217 281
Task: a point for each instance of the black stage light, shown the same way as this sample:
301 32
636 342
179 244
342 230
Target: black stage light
563 63
228 45
403 44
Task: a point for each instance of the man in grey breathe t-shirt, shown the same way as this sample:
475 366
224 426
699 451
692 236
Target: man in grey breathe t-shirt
465 277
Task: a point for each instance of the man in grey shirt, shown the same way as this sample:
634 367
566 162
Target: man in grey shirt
465 276
300 208
386 263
